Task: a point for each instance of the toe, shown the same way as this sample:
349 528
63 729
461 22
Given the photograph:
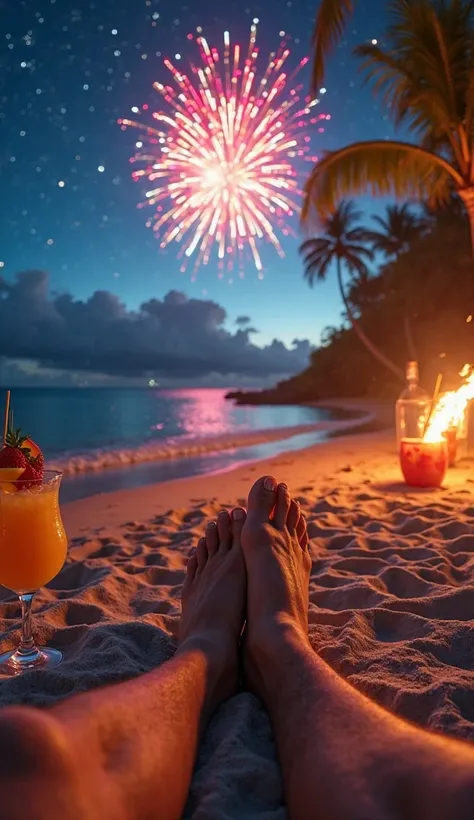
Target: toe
302 532
201 554
223 530
262 498
293 516
191 566
238 520
212 538
282 506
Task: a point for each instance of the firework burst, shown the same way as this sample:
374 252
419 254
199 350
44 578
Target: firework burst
221 162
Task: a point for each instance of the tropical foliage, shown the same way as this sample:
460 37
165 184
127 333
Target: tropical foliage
424 75
432 283
342 243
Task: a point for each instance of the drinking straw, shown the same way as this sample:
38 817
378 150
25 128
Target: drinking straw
6 417
437 388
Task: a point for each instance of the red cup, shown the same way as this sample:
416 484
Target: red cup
423 463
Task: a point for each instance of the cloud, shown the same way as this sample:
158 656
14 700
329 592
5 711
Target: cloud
176 337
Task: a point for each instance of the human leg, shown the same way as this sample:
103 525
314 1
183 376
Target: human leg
342 756
127 751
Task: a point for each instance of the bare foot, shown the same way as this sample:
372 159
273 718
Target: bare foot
213 603
275 547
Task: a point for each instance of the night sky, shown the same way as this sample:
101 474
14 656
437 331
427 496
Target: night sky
69 71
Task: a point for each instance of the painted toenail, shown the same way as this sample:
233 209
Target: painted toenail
270 484
223 513
283 486
211 525
237 515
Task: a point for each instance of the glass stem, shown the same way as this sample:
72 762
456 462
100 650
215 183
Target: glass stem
27 644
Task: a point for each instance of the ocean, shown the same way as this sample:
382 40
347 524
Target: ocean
108 439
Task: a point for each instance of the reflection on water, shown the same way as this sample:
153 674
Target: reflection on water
199 412
75 420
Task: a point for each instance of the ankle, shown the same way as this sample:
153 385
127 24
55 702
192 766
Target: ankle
276 643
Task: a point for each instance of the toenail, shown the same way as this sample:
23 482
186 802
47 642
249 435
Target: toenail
238 514
223 513
211 525
270 484
283 486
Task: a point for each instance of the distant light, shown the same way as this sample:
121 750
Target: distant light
117 53
50 242
469 318
85 87
116 275
374 42
151 383
135 109
282 33
2 264
177 56
139 144
23 64
442 355
22 133
255 20
61 183
322 90
114 31
101 169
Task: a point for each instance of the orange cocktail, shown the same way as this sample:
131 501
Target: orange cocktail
33 547
33 541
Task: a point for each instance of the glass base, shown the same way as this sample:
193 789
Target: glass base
16 662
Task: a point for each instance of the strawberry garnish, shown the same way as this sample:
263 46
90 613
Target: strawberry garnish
12 457
22 452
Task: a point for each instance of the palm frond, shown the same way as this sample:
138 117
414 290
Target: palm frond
424 72
382 168
331 20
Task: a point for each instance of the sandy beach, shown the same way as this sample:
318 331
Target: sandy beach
391 591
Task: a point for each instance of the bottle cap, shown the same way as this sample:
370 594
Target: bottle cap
412 371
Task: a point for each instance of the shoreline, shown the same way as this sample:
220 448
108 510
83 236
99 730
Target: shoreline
97 459
167 461
110 510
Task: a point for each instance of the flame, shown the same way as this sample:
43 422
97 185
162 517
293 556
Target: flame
450 408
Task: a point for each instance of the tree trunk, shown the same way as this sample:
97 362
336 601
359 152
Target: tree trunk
467 196
376 353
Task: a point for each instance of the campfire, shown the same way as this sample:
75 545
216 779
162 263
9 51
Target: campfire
424 460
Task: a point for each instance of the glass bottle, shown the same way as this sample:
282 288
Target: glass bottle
412 407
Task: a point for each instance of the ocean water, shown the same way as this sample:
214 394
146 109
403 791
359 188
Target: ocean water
75 420
146 435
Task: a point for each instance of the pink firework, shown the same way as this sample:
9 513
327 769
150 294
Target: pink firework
220 164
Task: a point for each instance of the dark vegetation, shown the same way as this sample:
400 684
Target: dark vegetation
426 289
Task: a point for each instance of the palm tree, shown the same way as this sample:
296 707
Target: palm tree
343 242
425 77
331 20
397 231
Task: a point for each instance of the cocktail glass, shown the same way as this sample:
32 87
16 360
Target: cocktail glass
33 546
423 463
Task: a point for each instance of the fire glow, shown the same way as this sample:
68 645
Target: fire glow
424 461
